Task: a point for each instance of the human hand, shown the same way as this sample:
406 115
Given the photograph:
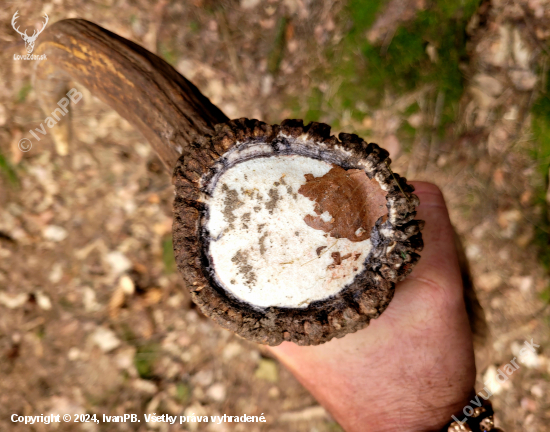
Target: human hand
413 367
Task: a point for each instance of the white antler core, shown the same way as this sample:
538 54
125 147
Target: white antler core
261 248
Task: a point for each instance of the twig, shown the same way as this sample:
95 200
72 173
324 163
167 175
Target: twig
321 254
398 185
233 57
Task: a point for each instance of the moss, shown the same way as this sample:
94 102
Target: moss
540 152
194 26
168 255
65 304
183 393
127 333
7 169
169 53
368 72
315 104
545 295
24 92
277 50
145 359
334 427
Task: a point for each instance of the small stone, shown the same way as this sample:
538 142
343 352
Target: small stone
307 414
249 4
144 386
528 404
490 380
89 300
61 405
153 296
527 358
523 80
266 84
489 281
488 84
119 262
231 350
56 273
13 301
105 339
274 393
512 113
367 122
124 358
473 251
538 391
55 233
43 301
216 392
520 50
73 354
416 120
195 409
431 50
126 284
523 283
203 378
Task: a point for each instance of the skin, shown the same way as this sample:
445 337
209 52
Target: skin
413 367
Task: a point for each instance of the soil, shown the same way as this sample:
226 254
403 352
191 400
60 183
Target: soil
94 318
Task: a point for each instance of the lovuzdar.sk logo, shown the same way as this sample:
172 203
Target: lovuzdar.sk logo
29 40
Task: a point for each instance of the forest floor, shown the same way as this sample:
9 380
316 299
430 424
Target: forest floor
93 317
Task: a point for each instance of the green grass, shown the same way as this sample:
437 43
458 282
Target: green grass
24 92
7 169
183 393
277 50
368 72
540 152
145 359
169 53
168 255
545 295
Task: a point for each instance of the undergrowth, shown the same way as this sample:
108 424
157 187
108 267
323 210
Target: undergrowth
540 152
8 171
364 73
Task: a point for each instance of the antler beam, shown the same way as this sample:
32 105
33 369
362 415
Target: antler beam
164 106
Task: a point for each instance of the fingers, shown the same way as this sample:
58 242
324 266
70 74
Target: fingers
438 262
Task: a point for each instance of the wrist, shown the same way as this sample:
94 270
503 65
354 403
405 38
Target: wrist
403 414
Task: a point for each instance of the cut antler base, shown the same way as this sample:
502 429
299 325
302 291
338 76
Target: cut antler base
280 232
287 233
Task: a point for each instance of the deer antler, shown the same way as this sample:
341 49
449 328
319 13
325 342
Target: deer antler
13 25
35 35
166 108
195 141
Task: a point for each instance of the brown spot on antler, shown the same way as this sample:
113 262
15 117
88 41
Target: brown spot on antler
353 201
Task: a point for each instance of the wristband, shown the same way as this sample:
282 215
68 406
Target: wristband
481 420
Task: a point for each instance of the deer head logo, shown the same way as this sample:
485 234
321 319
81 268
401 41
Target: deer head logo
29 40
